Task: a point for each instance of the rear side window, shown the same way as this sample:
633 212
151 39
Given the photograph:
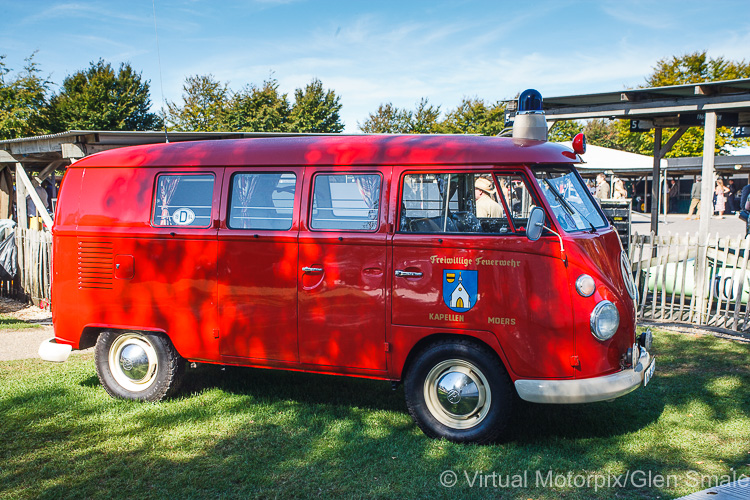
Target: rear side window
262 201
346 202
183 200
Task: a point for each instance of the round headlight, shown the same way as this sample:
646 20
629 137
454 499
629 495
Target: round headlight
627 275
585 285
645 339
605 319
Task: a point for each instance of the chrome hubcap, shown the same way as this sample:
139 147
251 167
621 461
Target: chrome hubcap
457 394
133 362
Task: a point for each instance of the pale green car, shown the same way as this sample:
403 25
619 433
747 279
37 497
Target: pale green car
674 277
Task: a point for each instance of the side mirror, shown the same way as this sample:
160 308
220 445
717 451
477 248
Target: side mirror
535 224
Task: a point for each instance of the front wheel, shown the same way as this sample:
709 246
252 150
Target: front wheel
138 365
459 391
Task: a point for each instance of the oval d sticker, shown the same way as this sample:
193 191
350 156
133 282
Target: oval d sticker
183 217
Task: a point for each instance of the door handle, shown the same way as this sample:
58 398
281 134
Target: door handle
408 274
312 269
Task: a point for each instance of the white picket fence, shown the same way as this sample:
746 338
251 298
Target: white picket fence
35 265
666 270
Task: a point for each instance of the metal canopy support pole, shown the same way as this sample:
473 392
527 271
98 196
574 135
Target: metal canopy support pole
672 141
706 211
662 153
665 200
655 182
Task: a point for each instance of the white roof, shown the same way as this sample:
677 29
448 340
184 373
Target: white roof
611 160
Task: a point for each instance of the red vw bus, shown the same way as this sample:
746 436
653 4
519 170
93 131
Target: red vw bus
469 268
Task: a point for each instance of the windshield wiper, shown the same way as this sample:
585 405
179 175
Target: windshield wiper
567 206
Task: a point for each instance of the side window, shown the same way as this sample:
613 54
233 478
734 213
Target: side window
262 201
183 200
517 198
452 203
346 202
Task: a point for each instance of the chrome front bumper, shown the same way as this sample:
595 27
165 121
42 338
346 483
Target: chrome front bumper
586 390
50 350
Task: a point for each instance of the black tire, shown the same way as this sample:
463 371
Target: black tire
468 370
138 365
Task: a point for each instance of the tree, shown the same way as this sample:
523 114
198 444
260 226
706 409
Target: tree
23 101
424 120
259 109
204 106
564 130
316 110
695 68
389 119
101 99
607 134
473 116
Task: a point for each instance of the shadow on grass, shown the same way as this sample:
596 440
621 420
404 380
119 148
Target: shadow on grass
92 381
261 433
304 388
530 422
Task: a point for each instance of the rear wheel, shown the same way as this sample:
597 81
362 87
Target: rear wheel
138 365
460 391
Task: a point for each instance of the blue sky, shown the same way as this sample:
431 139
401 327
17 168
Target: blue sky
377 51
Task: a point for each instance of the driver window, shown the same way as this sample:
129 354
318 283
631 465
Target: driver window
516 196
452 203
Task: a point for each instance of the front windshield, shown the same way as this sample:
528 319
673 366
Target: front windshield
571 202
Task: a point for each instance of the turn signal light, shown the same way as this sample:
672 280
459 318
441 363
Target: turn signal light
579 144
585 285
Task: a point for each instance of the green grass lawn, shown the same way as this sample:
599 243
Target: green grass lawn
10 323
259 433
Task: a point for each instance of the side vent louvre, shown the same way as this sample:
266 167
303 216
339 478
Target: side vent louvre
95 264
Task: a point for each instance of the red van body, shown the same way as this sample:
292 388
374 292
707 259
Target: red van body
367 303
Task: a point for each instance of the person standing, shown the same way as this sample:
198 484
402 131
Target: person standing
31 206
744 195
602 187
620 192
732 197
674 192
721 197
695 199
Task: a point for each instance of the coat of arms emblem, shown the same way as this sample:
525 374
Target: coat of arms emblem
459 289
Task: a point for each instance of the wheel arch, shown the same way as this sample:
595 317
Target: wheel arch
91 333
423 343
